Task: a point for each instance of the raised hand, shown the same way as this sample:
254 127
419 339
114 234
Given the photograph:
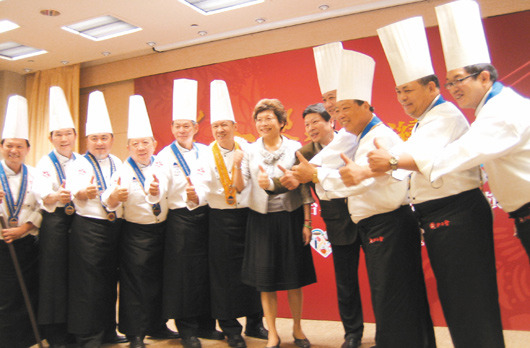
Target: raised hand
288 180
92 189
304 171
64 195
190 192
154 189
121 194
351 173
379 159
263 178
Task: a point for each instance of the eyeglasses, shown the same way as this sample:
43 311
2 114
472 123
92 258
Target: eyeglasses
458 82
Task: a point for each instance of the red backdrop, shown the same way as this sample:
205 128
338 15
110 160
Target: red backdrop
291 77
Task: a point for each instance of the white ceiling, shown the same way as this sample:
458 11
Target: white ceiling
166 22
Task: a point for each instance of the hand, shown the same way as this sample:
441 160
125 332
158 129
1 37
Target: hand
64 195
306 235
92 189
14 233
190 192
238 158
154 189
288 180
351 174
120 194
304 171
263 178
2 194
379 159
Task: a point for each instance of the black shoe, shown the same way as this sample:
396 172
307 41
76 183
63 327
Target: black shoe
277 344
111 337
351 342
211 334
191 342
236 341
164 333
259 332
302 342
55 345
136 342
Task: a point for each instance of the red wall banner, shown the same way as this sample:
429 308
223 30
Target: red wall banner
291 77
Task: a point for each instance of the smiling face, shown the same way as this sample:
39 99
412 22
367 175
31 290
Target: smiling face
141 149
99 144
352 116
267 124
64 141
468 92
318 129
415 98
223 131
184 131
329 100
14 151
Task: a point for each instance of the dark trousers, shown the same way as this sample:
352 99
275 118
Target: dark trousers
522 223
188 327
391 242
232 326
346 264
459 239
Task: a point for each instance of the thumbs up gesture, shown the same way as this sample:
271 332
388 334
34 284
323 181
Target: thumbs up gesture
351 173
154 189
379 159
92 189
288 180
304 171
190 191
64 194
120 194
263 178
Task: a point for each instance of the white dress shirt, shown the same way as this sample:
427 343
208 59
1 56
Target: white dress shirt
47 180
79 175
138 208
30 211
500 139
173 175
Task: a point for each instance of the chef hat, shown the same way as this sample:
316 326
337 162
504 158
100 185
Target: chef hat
407 50
356 76
185 100
97 119
220 105
462 34
327 61
16 120
59 115
139 125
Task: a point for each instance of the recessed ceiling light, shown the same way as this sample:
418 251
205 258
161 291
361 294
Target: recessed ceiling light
260 20
323 7
6 25
202 32
102 28
151 43
27 70
51 13
64 62
105 53
14 51
194 25
208 7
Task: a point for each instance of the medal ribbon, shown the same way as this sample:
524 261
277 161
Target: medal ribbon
374 122
102 185
183 165
14 210
226 181
156 207
495 89
60 172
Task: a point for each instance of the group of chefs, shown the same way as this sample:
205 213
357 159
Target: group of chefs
172 228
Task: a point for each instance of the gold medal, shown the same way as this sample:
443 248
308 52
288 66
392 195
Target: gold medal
69 209
231 200
156 209
111 216
13 222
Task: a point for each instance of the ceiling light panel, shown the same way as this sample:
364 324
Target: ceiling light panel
7 25
14 51
208 7
102 28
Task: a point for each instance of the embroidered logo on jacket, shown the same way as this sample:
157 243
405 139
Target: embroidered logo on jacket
435 225
377 239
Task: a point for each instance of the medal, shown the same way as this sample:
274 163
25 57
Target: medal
69 209
231 200
13 222
111 216
224 177
156 209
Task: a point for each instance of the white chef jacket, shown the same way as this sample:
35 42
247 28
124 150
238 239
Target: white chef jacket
437 127
215 193
30 211
138 208
47 179
329 157
79 175
500 139
173 175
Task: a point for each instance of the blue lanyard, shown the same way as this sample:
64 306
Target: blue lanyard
137 170
495 89
102 186
440 100
14 210
58 167
181 159
375 121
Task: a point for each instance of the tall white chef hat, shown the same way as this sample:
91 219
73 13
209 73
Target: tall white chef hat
327 61
59 115
462 34
97 119
356 76
185 99
139 125
16 120
220 105
407 50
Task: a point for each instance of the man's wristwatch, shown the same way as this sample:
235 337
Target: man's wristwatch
393 162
